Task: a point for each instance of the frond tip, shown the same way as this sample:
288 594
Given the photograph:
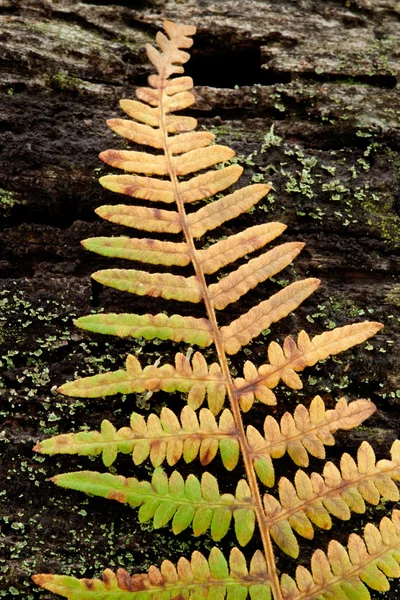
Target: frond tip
199 578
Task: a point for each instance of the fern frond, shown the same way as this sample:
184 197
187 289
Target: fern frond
151 116
175 328
161 438
251 324
343 574
149 164
157 190
239 282
235 246
186 503
229 207
182 173
145 250
198 579
164 285
146 135
314 498
296 357
196 378
304 433
140 217
214 257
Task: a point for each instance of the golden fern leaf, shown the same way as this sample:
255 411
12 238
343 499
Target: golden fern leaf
164 285
344 574
149 188
140 217
233 286
251 324
198 578
197 378
295 357
235 246
161 438
146 135
143 162
313 498
304 433
213 215
145 250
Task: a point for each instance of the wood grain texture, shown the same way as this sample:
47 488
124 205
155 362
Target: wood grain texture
64 65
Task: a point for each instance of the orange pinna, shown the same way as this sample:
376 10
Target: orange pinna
285 512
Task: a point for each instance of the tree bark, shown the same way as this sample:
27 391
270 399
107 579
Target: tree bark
306 93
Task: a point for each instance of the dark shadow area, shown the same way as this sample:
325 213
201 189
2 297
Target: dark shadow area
227 68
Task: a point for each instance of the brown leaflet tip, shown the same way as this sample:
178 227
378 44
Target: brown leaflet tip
125 580
104 155
42 578
37 448
139 582
88 583
53 479
118 496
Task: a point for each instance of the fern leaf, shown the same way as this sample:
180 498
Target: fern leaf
251 324
144 134
140 217
239 282
314 498
197 378
171 86
344 574
181 99
199 159
209 183
136 162
161 438
214 214
164 285
189 162
157 190
235 246
145 188
305 433
137 132
144 250
295 357
176 327
199 579
141 112
186 503
151 116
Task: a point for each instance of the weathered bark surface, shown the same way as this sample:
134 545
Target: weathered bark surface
324 73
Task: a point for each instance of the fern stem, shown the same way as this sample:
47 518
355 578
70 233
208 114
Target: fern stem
232 395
